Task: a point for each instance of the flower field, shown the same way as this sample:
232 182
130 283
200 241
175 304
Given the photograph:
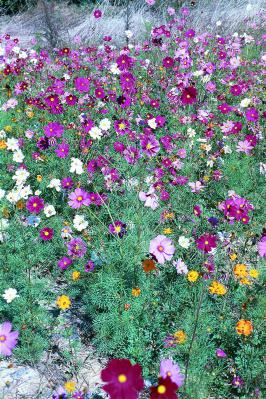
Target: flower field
132 203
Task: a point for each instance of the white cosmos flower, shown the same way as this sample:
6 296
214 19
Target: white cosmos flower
95 133
184 242
18 156
76 166
20 176
55 183
12 144
10 294
114 69
49 210
152 123
80 223
105 124
245 102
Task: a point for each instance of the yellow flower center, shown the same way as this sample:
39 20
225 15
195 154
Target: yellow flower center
161 389
46 233
160 248
206 242
122 378
34 205
121 126
80 198
2 338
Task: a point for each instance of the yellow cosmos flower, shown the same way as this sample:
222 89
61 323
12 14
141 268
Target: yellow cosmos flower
240 270
192 276
180 336
217 288
70 386
63 302
75 275
136 291
254 273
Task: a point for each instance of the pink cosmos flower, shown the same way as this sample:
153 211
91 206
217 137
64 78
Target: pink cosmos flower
262 247
162 248
172 370
8 339
181 267
244 146
220 353
196 187
150 198
78 198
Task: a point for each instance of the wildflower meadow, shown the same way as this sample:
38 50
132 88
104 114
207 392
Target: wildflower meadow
132 213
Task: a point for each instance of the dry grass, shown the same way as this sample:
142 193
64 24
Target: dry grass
66 22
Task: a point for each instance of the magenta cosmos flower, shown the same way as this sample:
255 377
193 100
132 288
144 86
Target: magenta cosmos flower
118 228
150 145
82 84
262 247
162 248
252 114
76 247
169 369
189 95
35 204
78 198
53 129
64 262
123 380
206 242
46 233
8 338
97 14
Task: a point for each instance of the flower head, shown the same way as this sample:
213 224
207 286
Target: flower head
35 204
172 370
162 248
166 389
63 302
122 379
8 338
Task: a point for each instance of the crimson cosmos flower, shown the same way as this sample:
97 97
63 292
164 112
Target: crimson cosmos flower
123 380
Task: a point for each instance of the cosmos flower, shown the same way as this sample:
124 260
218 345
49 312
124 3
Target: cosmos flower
46 233
53 129
206 242
8 338
35 204
64 262
10 294
165 389
172 370
76 248
122 379
78 198
262 247
150 198
82 84
162 248
118 228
